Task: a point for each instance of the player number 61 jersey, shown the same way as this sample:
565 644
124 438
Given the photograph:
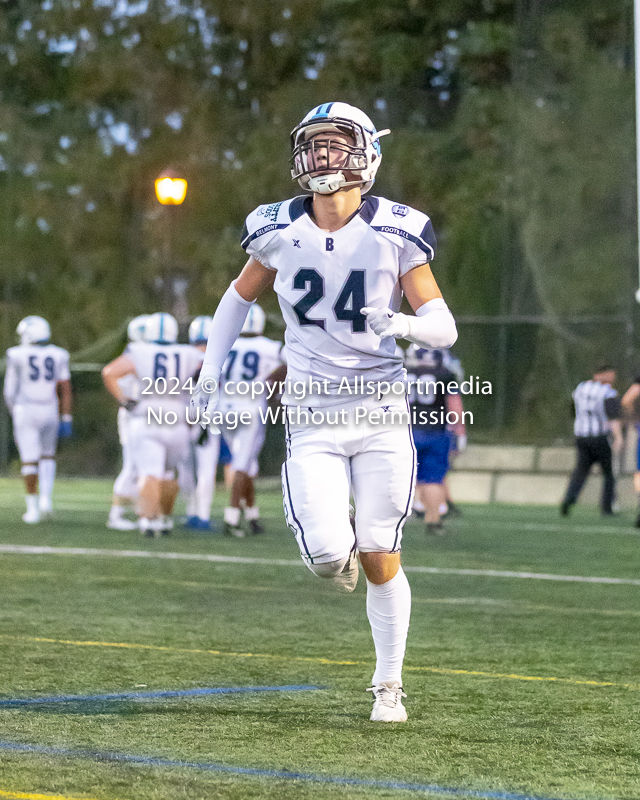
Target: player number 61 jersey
324 279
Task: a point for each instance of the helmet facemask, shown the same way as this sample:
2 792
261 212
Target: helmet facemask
330 156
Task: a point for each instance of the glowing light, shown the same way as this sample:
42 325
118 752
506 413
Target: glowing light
170 191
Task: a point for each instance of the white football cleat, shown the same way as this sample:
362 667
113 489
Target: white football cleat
387 706
347 579
166 524
150 527
45 506
121 524
31 516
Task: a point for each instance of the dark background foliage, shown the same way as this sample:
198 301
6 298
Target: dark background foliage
512 127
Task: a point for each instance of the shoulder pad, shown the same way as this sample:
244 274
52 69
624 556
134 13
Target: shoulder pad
265 221
397 219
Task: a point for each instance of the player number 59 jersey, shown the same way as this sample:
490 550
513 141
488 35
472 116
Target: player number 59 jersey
33 372
324 279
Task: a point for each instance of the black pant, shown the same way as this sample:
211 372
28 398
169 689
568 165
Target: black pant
592 450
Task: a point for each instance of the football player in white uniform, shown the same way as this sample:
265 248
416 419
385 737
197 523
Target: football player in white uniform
206 449
125 488
340 263
160 433
252 361
37 391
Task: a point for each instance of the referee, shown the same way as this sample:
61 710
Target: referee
598 413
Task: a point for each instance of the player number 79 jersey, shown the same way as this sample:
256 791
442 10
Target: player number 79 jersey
251 360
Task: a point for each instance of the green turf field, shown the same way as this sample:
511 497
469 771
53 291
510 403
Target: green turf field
517 686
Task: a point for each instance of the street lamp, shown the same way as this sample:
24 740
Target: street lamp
171 190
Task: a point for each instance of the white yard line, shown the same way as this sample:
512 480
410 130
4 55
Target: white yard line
281 562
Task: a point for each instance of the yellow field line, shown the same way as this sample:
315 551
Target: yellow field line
127 645
30 796
513 677
316 660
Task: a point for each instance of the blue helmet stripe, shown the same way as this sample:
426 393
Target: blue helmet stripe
161 327
322 111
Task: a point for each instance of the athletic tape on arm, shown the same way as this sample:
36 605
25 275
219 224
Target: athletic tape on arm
225 328
433 325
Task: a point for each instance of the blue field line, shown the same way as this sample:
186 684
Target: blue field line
149 761
81 698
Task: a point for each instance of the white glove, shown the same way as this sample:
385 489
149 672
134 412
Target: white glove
432 326
386 323
205 398
461 442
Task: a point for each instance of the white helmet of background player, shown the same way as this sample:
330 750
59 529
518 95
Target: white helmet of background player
199 330
161 328
33 329
254 323
423 357
137 328
361 158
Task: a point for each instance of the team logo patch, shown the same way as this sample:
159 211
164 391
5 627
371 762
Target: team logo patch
399 211
270 212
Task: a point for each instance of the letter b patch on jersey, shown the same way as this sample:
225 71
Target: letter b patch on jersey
329 245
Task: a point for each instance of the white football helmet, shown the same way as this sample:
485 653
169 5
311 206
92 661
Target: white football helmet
199 330
361 157
254 323
136 330
418 356
161 328
33 329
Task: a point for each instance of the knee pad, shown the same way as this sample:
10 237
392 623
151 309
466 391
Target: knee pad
29 469
329 569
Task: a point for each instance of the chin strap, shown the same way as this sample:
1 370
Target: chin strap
327 184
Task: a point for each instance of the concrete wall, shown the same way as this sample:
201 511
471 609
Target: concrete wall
528 474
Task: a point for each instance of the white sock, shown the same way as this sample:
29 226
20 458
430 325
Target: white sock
232 516
252 512
204 494
389 610
116 512
442 508
46 476
192 504
418 505
32 502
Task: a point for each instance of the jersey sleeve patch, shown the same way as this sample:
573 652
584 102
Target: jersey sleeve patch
264 223
266 220
412 226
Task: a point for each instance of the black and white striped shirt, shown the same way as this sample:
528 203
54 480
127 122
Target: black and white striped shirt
596 403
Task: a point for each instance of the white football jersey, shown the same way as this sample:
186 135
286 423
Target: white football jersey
324 279
251 360
163 371
33 371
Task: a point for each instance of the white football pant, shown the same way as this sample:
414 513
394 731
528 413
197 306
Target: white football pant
245 441
327 463
35 430
126 483
158 448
